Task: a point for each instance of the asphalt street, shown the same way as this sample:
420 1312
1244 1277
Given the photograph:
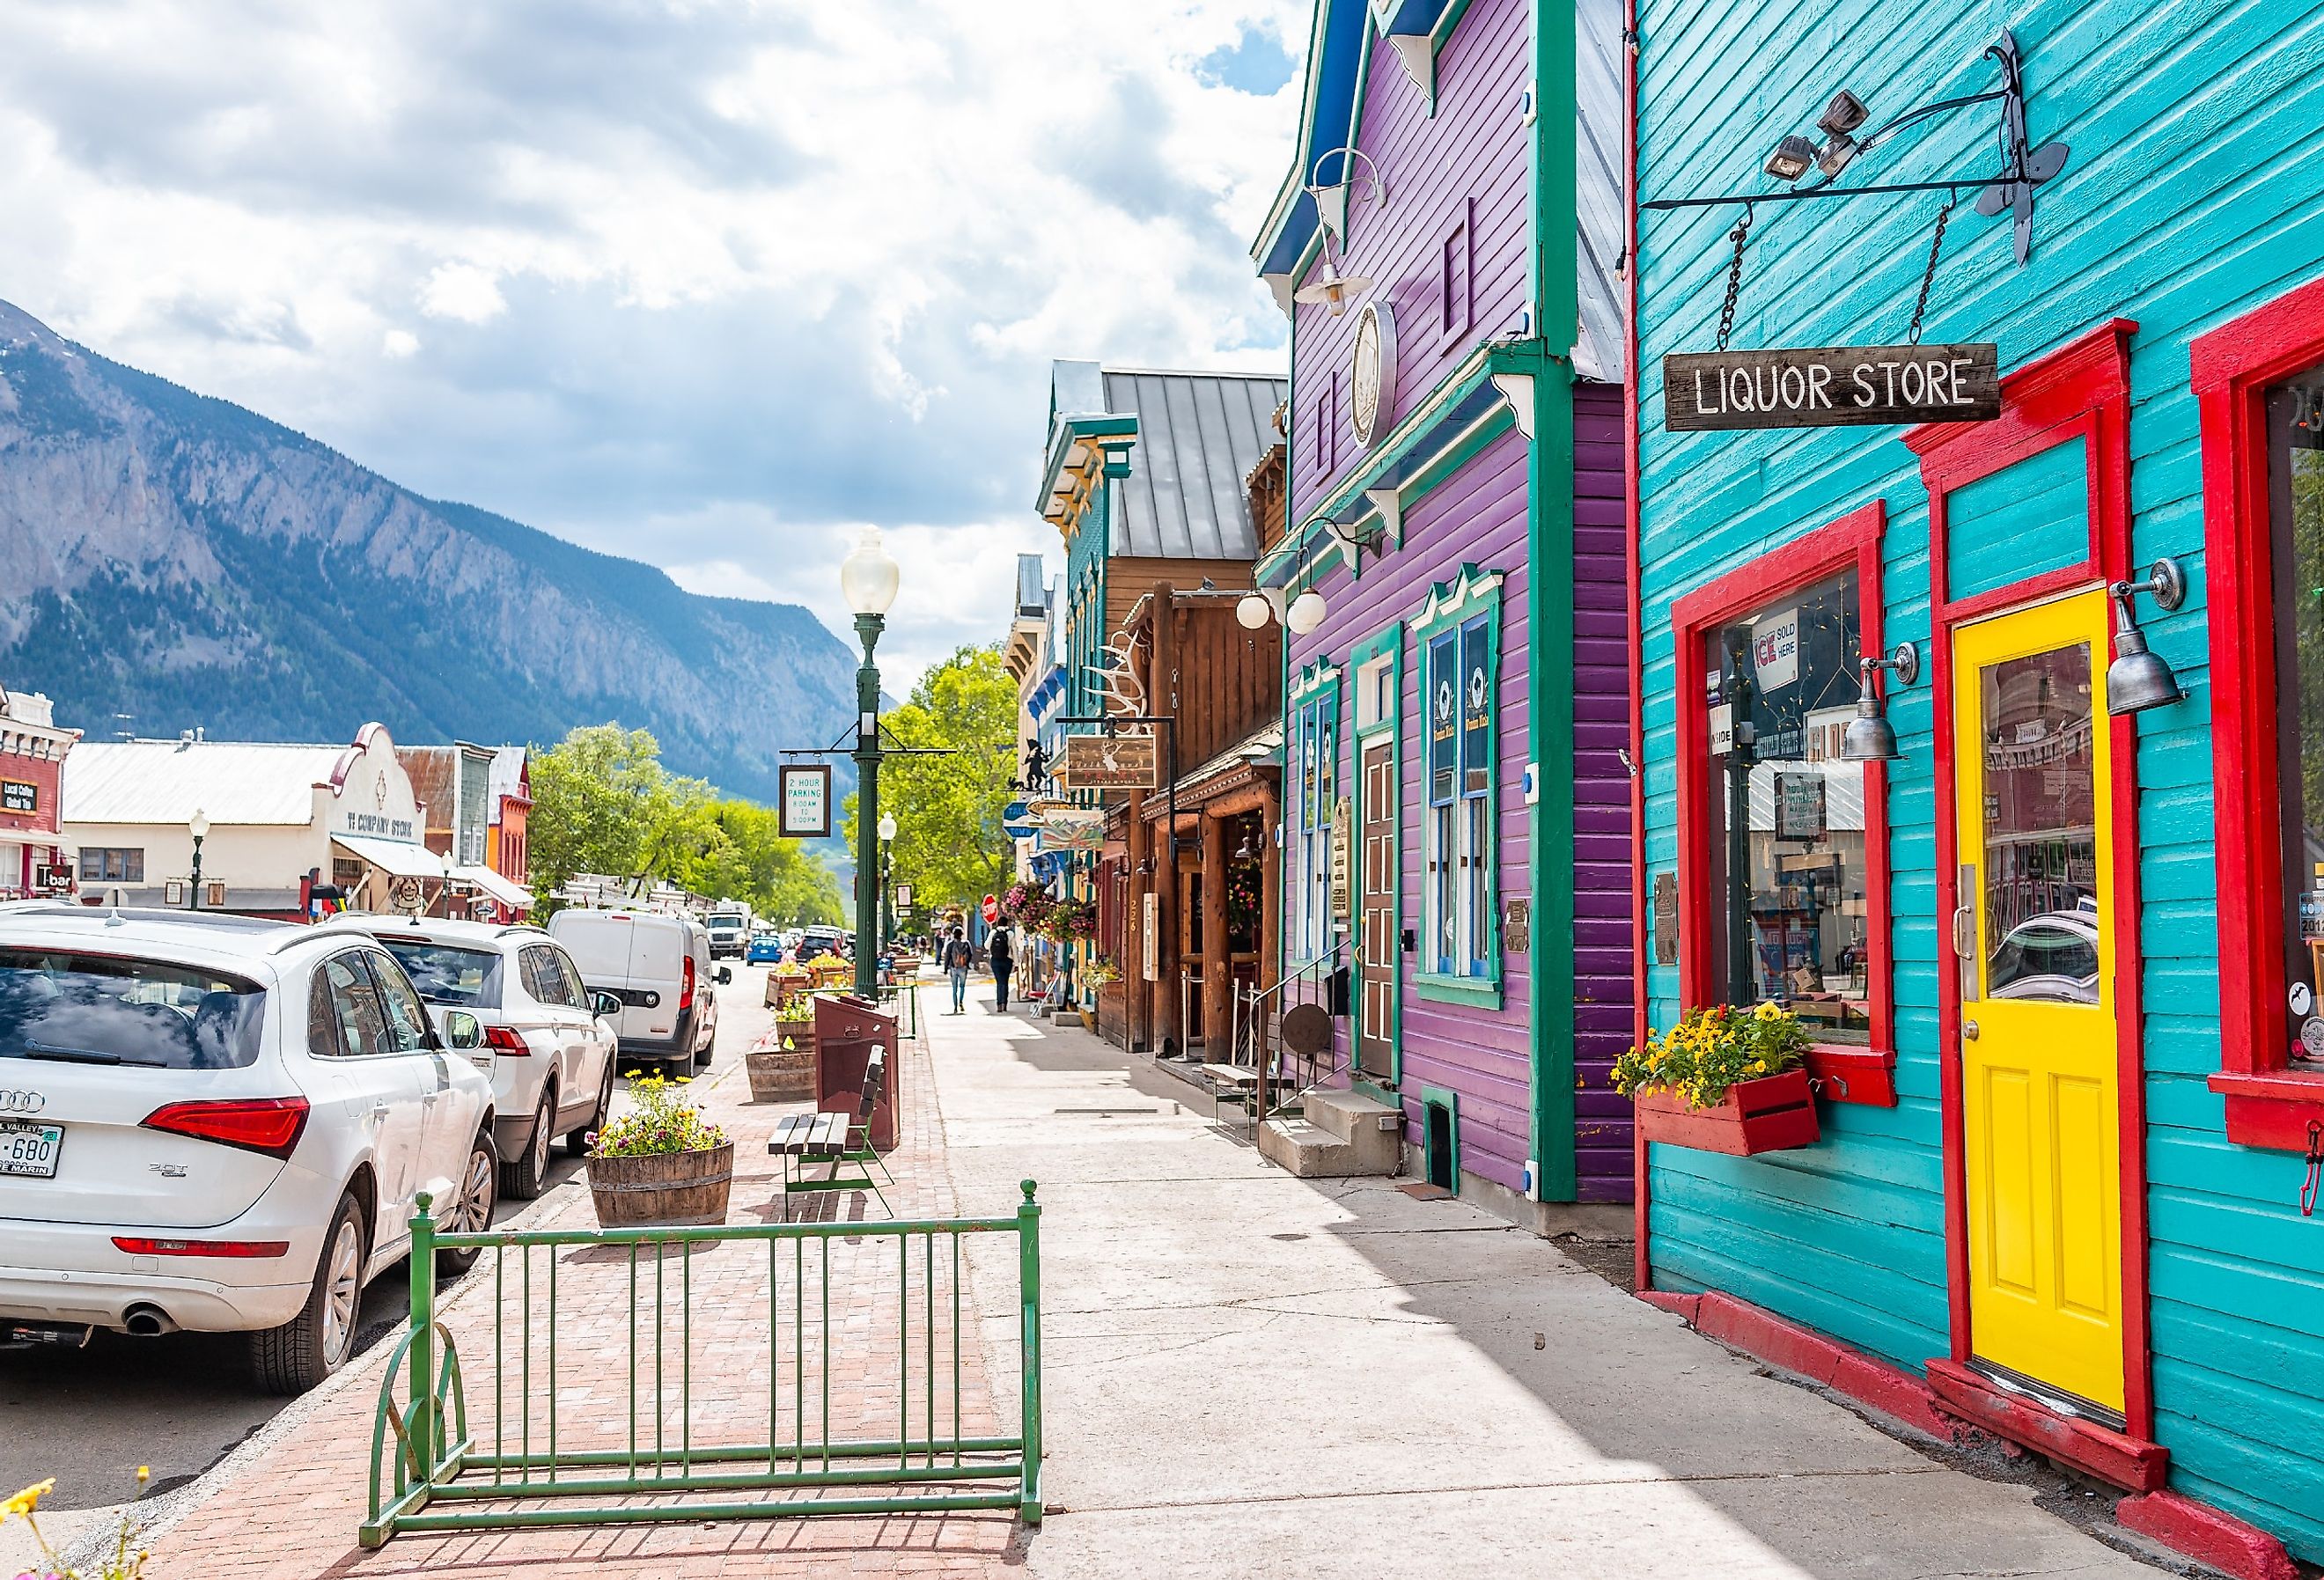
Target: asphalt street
182 1403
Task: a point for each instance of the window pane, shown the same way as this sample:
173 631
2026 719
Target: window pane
1443 890
1476 708
2040 737
449 974
363 1028
1443 678
407 1018
115 1009
2295 435
1481 900
1791 920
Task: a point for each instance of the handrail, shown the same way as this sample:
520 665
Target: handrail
1299 971
1262 1108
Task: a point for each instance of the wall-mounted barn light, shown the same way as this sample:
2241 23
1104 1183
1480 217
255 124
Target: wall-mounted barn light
1869 736
2138 679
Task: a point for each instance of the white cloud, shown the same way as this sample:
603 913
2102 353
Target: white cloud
462 291
728 276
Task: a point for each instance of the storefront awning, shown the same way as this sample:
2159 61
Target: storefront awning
391 856
505 890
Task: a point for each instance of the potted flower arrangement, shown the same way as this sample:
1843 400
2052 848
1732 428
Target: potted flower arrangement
781 1064
660 1163
1724 1080
1071 921
830 970
1028 904
1100 971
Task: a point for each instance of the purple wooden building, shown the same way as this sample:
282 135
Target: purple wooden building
1455 833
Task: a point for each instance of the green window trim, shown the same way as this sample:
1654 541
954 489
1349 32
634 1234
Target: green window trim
1449 1102
1313 704
1463 614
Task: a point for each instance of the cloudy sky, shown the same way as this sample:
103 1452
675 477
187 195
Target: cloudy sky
700 282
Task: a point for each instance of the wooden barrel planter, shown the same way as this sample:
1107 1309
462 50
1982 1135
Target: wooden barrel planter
1770 1114
670 1190
780 1074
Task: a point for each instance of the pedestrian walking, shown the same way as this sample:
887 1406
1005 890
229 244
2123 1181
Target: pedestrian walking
956 957
1002 948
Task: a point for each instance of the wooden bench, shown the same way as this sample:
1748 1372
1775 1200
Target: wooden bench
803 1139
1237 1082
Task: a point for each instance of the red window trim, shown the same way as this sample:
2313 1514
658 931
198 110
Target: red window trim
1849 1073
2268 1104
2081 390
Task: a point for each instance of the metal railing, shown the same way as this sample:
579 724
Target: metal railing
1259 1025
776 1394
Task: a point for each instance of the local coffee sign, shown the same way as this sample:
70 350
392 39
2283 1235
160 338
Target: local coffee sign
1832 387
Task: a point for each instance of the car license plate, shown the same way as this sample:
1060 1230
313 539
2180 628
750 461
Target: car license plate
30 1148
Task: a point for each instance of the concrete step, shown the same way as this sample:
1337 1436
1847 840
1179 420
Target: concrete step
1373 1128
1309 1152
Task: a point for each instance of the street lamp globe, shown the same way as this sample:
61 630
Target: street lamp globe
1252 611
198 825
867 577
887 828
1305 614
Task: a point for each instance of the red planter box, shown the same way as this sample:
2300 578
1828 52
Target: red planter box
1765 1115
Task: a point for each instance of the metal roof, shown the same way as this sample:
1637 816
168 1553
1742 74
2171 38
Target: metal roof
1598 206
1199 435
167 782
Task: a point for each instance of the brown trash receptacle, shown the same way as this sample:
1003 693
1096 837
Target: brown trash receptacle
848 1030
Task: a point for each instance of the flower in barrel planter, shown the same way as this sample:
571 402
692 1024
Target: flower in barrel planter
660 1163
1100 971
1724 1080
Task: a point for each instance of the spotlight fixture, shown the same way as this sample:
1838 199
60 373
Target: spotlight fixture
1843 115
1869 736
2138 679
1792 158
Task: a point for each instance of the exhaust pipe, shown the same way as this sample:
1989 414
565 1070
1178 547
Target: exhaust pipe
147 1322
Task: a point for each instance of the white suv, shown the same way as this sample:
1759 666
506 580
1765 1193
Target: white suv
551 1053
221 1124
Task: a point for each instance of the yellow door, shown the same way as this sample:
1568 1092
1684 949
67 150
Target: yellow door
2034 943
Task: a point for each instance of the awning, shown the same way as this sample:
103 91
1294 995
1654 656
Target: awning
392 856
504 889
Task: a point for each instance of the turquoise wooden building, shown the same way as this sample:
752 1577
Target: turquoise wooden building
2060 952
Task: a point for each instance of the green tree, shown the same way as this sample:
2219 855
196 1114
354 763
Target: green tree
949 846
602 802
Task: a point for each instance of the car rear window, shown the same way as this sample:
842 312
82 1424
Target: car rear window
115 1009
446 974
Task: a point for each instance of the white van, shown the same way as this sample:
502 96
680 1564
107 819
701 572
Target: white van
657 963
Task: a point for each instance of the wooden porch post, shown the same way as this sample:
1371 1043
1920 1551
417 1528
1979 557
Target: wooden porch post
1138 1004
1217 960
1271 890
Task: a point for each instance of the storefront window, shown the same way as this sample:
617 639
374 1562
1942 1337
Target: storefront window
1789 917
2295 467
1315 790
1460 640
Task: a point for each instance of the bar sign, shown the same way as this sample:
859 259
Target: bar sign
1830 386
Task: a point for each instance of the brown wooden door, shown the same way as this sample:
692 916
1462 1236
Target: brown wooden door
1376 913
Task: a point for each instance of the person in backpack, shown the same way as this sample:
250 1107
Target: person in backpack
1002 948
957 955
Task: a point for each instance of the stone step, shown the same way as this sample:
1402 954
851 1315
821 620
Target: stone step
1373 1128
1309 1152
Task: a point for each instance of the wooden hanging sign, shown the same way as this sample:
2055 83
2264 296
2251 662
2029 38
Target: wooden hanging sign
1830 386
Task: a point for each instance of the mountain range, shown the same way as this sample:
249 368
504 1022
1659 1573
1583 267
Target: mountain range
186 562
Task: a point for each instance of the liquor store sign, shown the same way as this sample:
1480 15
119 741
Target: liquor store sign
1830 386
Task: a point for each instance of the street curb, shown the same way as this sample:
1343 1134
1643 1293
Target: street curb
170 1509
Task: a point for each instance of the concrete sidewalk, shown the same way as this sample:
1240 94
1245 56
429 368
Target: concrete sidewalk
1248 1373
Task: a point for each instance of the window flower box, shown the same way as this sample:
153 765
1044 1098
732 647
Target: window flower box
1769 1114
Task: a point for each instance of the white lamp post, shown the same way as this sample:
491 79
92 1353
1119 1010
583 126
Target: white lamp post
867 580
198 825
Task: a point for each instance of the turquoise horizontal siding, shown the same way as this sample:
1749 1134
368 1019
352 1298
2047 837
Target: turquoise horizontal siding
2025 519
2192 195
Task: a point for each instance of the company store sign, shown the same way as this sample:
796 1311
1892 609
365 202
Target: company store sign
1832 387
379 825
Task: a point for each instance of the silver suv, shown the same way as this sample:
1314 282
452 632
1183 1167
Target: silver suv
548 1048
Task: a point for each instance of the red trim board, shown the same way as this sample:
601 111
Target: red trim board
2268 1104
2079 391
1867 1075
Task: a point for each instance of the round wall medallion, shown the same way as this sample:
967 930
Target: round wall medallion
1372 394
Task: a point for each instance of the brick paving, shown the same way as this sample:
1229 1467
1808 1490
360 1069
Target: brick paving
294 1512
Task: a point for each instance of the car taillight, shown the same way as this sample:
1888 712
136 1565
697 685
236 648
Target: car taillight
500 1040
136 1247
686 990
271 1125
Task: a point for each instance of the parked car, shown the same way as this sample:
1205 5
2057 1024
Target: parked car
549 1039
222 1124
657 964
2052 955
819 940
766 948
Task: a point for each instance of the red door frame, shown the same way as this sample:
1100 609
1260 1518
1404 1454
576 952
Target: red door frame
2079 391
2268 1105
1849 1073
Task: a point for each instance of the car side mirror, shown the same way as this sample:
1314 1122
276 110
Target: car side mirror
605 1005
725 974
462 1030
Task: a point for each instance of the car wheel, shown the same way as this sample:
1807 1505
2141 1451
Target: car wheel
305 1350
521 1177
577 1140
472 1213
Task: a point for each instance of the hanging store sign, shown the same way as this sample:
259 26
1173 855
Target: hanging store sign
1342 871
802 806
1112 763
16 795
1077 830
1830 386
